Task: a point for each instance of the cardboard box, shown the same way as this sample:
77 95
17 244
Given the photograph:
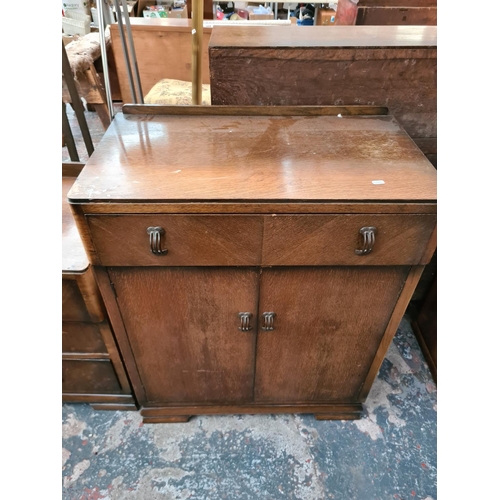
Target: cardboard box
179 13
258 17
171 14
326 17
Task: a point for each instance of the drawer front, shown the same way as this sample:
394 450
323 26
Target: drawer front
73 305
340 239
82 338
183 240
89 377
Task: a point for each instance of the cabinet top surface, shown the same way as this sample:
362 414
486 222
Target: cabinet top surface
152 158
323 36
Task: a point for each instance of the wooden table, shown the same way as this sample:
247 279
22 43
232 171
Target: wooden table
255 264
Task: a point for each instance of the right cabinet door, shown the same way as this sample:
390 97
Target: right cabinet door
327 325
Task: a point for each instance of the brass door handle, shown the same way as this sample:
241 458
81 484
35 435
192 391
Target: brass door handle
245 321
268 321
155 233
368 233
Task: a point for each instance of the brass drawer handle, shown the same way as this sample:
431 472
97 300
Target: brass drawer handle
245 321
368 240
155 233
268 318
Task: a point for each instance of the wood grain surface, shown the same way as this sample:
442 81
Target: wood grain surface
74 258
396 16
333 240
73 305
89 376
323 36
329 323
80 337
239 158
182 324
190 240
392 66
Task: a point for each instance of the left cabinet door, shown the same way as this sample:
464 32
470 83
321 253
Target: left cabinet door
185 331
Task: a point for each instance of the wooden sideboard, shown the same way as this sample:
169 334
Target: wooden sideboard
92 370
253 263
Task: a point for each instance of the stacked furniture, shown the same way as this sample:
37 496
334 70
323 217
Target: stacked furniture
264 268
92 369
392 66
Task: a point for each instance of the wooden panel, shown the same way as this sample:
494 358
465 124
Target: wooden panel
428 145
163 50
328 325
183 329
391 66
73 306
323 411
89 377
255 158
390 331
321 36
397 16
163 109
190 240
397 3
425 327
258 208
82 338
74 258
332 240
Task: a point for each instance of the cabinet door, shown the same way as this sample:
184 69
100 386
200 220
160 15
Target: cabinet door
183 327
327 327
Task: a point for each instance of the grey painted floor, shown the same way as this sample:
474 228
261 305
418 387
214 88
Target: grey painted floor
389 454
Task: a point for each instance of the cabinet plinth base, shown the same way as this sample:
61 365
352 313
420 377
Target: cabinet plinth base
174 414
338 416
171 419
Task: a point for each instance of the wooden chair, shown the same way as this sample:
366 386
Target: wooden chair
82 53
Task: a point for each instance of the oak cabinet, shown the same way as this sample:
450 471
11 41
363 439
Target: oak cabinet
240 278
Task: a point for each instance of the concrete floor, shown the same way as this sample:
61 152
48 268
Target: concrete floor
389 454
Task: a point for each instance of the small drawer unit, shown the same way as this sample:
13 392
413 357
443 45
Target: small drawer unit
92 369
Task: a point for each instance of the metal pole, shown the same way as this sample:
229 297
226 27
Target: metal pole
104 56
197 50
125 52
132 53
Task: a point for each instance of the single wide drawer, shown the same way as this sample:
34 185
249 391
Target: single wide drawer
177 240
89 377
358 239
82 338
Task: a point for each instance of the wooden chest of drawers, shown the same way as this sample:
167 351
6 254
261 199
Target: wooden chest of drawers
255 264
92 370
